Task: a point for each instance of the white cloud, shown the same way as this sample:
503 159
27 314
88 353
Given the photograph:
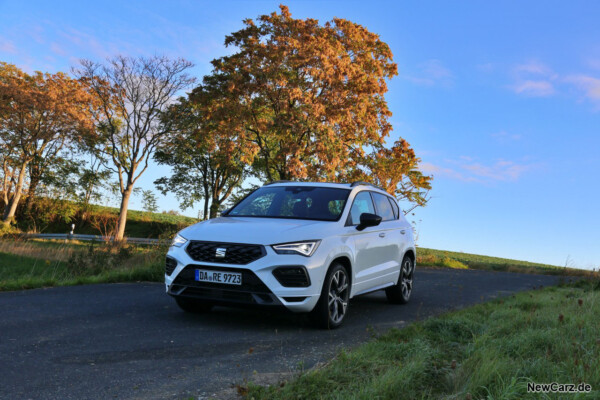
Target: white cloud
533 79
534 88
57 49
436 70
7 46
588 85
501 170
468 170
436 170
535 68
504 136
431 73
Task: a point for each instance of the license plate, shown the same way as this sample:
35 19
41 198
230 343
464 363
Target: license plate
228 278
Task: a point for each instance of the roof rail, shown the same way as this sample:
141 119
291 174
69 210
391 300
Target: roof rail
357 183
273 182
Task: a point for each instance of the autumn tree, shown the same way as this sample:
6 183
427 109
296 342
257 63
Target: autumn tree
310 101
311 96
207 156
141 89
40 116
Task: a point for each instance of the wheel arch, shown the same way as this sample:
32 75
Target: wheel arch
411 253
345 261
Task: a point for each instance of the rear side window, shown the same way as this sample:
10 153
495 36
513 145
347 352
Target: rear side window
362 204
384 208
394 207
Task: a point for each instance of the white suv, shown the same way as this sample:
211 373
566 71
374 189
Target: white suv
309 247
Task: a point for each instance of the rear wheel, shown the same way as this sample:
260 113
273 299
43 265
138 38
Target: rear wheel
330 311
192 305
400 293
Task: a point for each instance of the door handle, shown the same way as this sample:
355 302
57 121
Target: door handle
403 231
382 234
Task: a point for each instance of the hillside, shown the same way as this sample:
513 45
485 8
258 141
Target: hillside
140 224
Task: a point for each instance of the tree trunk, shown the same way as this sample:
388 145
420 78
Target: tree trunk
11 207
120 231
204 216
215 202
31 194
214 208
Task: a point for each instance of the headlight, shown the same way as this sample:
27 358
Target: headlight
178 241
303 248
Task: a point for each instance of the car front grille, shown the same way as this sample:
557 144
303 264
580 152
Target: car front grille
231 253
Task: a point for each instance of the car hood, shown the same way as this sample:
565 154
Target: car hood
264 231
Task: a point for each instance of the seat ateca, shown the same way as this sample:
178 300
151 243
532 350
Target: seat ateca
308 247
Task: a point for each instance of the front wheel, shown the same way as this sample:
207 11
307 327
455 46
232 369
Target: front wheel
400 293
332 307
192 305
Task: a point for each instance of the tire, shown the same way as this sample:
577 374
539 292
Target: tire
192 305
400 293
332 307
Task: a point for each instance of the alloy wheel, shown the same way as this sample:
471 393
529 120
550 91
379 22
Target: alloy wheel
338 296
406 278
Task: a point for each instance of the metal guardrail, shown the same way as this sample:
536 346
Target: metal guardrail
96 238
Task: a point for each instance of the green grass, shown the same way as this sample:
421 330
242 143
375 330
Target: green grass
452 259
34 264
487 351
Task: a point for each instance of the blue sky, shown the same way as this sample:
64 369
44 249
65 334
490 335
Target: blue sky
500 100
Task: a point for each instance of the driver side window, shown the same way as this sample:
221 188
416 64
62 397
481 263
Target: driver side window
362 204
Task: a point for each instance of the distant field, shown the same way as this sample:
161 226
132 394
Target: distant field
453 259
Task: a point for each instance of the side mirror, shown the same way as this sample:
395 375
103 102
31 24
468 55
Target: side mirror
368 219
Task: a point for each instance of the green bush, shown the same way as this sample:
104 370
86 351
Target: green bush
96 260
434 260
7 230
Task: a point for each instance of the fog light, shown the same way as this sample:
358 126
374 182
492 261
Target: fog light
292 276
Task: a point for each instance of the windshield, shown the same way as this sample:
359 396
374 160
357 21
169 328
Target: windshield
298 202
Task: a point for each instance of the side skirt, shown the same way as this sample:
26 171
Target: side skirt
376 288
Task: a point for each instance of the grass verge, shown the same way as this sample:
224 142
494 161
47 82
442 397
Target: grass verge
34 264
490 351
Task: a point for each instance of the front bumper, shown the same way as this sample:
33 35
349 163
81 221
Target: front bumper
259 285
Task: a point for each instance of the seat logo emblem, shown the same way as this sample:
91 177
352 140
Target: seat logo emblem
220 253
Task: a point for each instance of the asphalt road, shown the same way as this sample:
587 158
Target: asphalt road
131 340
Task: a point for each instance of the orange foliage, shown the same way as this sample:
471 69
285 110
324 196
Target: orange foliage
309 96
39 113
305 100
396 171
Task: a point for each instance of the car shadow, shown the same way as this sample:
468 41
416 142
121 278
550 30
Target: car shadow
282 320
